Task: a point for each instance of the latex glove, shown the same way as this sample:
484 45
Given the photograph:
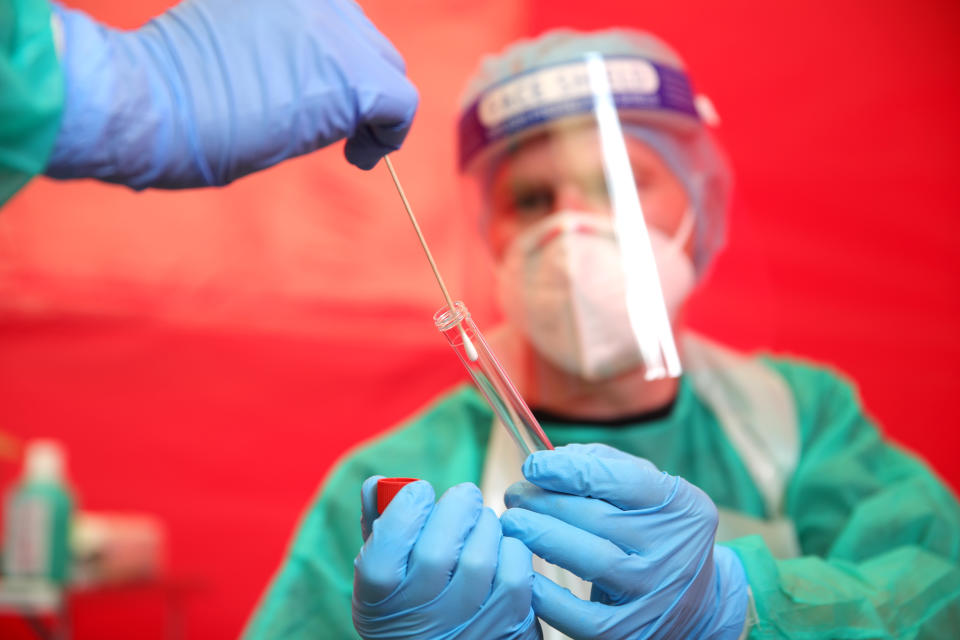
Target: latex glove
440 571
215 89
645 540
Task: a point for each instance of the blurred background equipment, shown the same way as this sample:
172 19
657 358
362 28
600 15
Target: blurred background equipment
54 555
37 518
202 355
117 548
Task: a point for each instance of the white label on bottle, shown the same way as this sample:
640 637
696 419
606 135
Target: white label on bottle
28 542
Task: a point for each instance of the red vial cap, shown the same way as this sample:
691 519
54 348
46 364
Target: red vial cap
389 487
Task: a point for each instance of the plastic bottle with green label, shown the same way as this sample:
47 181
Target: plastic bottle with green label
37 517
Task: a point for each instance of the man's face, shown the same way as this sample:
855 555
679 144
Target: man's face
563 170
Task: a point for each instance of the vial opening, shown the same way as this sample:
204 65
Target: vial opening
446 319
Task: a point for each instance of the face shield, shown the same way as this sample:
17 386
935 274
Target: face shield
589 219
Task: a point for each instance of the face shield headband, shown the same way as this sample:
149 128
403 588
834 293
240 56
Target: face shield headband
643 91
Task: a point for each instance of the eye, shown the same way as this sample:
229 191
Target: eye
534 200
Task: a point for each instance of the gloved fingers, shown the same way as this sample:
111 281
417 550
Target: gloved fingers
385 109
629 483
434 556
507 613
567 613
381 565
385 118
598 517
732 580
596 449
589 556
513 584
477 566
368 505
363 150
387 51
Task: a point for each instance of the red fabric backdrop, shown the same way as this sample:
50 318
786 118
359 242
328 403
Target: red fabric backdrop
206 356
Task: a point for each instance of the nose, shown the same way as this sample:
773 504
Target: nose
571 196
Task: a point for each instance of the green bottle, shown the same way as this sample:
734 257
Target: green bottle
38 513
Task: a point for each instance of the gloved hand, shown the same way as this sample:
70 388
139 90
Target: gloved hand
215 89
440 571
645 540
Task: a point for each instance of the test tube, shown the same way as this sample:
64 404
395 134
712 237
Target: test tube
490 379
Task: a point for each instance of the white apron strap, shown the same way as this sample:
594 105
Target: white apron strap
755 408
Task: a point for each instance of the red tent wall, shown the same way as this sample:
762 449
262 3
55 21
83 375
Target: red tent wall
206 356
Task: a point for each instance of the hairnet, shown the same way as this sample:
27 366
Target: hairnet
690 152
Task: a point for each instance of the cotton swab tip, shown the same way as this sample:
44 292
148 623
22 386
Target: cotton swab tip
468 346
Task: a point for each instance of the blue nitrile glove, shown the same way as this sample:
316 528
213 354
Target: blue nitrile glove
215 89
440 571
645 540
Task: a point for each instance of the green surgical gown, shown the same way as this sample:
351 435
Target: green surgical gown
31 92
879 533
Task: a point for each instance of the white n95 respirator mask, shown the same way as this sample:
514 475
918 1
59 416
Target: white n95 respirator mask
562 283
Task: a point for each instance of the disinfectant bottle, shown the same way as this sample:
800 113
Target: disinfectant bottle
37 517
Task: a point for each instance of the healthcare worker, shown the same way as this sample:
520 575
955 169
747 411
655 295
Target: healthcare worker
206 93
750 496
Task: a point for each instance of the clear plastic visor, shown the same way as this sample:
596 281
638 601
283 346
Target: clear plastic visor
581 221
